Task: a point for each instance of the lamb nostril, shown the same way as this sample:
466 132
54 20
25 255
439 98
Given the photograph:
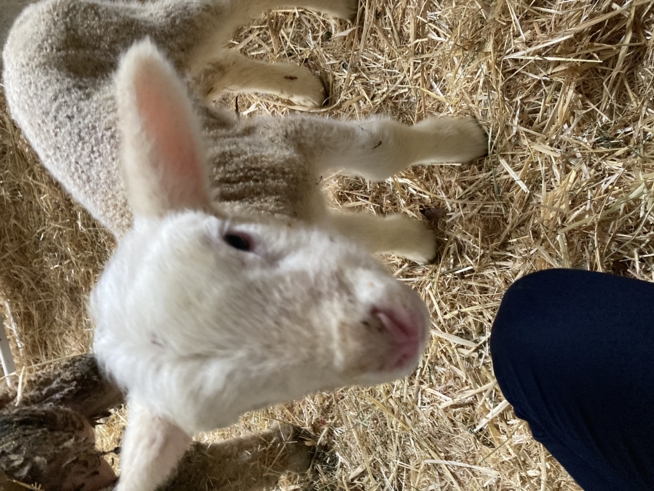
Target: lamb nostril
374 324
401 324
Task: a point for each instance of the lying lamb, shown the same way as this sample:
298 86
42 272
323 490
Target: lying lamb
46 439
232 286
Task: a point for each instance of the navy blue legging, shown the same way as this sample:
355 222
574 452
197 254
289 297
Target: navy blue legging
573 352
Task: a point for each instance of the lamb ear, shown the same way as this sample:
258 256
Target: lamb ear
161 152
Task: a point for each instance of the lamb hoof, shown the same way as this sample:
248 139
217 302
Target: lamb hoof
458 139
309 92
476 137
426 247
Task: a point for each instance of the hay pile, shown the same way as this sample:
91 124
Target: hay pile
565 89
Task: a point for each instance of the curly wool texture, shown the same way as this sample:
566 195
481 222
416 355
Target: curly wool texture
74 383
41 444
249 172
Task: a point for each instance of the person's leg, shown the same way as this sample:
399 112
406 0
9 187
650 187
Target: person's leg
573 352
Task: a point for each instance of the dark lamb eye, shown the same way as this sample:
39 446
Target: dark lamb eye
239 242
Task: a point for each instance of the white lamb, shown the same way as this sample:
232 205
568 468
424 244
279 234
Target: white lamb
232 286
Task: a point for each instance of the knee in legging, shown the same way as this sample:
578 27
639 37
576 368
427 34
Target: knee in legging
527 314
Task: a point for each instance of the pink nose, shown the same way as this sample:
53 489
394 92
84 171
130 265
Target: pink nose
407 329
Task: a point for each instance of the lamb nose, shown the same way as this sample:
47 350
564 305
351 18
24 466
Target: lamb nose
407 330
404 326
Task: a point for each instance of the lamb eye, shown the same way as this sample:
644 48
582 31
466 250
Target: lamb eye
238 241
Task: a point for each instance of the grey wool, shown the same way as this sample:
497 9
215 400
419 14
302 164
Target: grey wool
62 96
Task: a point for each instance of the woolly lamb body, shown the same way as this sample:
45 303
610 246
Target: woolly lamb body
75 103
232 286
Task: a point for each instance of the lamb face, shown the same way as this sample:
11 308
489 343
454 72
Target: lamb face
206 317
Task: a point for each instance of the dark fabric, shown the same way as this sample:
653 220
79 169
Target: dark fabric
573 353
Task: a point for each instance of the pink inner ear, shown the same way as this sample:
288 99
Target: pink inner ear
174 153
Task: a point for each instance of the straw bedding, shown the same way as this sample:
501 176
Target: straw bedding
565 89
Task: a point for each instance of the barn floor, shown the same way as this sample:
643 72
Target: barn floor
565 89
